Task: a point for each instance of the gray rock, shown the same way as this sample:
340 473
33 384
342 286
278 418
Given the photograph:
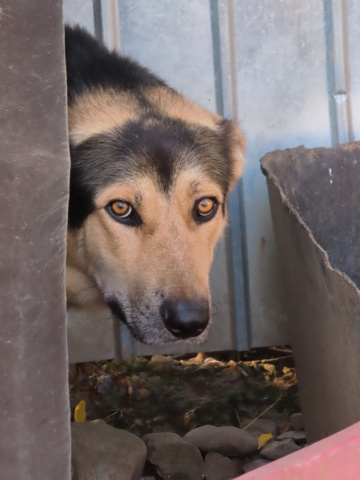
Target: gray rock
103 452
276 449
238 463
218 467
259 462
166 427
260 426
297 421
174 457
296 435
227 440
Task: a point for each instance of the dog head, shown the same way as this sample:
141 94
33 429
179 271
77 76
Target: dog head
150 176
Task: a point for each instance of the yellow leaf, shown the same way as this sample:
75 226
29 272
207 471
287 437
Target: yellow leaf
80 412
263 439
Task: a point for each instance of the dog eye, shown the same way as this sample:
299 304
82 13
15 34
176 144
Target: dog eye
121 209
123 212
205 209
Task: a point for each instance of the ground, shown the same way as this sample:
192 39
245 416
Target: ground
179 393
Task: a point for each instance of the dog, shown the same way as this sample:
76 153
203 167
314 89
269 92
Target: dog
150 175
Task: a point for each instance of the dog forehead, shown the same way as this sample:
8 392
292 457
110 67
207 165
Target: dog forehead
97 111
187 185
153 146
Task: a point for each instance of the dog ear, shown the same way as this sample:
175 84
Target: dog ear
237 148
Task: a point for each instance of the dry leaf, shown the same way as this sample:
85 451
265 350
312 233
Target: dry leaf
80 412
263 439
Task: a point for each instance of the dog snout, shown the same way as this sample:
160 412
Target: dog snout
185 318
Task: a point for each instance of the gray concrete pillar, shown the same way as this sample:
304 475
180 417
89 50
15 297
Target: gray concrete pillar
34 170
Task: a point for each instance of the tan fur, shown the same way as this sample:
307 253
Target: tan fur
168 252
173 105
238 155
100 111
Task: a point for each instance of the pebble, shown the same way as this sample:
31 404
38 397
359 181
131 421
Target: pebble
103 384
227 440
218 467
276 449
296 435
166 427
164 452
297 421
156 380
161 360
141 394
259 462
99 451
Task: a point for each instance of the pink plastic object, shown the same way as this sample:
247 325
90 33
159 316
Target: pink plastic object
334 458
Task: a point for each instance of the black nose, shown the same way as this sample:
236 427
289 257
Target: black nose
184 318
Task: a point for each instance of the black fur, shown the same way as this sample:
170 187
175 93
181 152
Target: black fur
91 65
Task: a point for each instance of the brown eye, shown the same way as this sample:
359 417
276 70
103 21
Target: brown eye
205 206
124 213
205 209
120 208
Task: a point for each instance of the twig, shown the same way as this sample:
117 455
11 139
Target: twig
265 411
238 417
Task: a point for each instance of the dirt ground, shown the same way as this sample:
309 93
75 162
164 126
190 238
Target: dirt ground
179 393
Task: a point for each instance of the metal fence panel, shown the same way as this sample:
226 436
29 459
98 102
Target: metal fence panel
289 73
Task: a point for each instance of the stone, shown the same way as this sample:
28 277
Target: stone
218 467
297 435
297 421
260 426
156 380
103 452
164 452
103 384
141 394
238 463
166 427
161 360
227 440
276 449
259 462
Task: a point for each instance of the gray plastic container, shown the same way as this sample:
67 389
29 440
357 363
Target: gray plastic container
315 205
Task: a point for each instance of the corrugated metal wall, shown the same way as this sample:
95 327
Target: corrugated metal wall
288 72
